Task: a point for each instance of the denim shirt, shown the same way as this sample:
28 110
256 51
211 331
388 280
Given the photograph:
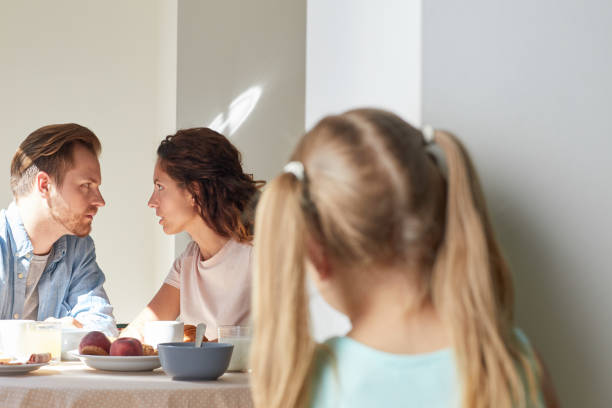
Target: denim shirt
70 285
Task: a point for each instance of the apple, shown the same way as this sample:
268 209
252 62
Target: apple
126 346
95 343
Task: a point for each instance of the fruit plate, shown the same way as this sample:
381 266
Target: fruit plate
119 363
19 368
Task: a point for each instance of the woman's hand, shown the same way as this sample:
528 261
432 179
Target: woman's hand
165 305
131 331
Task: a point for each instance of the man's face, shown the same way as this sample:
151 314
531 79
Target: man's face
76 202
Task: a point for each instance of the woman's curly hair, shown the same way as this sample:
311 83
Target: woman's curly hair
209 166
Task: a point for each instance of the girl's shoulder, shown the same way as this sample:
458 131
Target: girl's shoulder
527 349
348 373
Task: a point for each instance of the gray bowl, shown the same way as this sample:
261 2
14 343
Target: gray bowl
183 361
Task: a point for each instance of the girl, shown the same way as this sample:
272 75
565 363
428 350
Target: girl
200 188
408 254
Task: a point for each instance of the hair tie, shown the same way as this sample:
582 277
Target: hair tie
296 168
428 134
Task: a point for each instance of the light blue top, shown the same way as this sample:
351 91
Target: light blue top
70 285
368 378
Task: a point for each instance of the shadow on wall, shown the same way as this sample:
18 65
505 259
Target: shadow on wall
238 111
534 268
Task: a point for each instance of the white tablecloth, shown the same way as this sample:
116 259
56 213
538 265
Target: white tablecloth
73 385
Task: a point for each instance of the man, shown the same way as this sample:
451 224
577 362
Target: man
48 266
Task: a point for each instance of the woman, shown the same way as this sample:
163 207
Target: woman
408 254
200 188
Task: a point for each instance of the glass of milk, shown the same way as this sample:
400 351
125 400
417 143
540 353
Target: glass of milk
46 337
240 337
15 336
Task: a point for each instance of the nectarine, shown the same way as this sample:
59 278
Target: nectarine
126 346
95 343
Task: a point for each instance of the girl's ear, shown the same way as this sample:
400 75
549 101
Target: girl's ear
319 259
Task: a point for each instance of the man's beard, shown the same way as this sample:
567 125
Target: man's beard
76 224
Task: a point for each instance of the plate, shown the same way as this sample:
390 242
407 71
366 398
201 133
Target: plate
19 369
119 363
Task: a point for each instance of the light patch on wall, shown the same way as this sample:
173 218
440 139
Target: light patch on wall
238 111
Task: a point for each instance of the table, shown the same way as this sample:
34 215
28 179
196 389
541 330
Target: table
74 385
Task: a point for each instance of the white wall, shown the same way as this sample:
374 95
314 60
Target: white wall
528 86
228 48
110 66
360 53
363 53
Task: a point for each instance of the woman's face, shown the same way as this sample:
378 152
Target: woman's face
173 204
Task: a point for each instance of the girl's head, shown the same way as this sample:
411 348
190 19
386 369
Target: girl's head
373 198
198 175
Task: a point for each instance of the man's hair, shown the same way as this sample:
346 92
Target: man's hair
49 149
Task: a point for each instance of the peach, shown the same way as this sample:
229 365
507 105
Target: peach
95 343
126 346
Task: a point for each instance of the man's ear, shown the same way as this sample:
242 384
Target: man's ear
319 259
42 184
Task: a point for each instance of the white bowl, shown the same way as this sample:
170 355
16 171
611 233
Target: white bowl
71 338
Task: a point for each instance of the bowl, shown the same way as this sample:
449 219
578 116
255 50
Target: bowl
71 338
183 361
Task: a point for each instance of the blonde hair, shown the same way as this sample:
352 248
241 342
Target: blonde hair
374 195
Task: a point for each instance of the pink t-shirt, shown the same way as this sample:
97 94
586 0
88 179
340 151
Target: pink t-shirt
216 291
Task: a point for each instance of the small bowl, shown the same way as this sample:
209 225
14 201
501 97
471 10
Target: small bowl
183 361
71 338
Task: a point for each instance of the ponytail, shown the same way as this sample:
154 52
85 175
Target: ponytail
472 289
283 349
